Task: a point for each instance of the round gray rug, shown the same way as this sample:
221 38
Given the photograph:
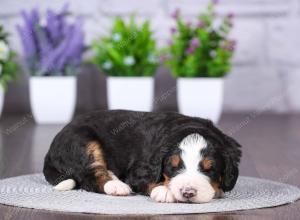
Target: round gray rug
32 191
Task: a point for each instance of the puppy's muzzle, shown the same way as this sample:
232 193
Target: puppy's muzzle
188 192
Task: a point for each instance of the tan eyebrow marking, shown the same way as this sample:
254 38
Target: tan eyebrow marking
175 160
206 163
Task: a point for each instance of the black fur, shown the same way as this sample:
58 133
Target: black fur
136 146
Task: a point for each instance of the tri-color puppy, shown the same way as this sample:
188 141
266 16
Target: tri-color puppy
171 157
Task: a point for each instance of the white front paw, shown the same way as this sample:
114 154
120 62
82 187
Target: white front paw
162 194
116 188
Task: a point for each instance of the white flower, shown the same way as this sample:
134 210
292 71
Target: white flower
0 69
152 59
129 61
107 65
213 53
4 51
116 37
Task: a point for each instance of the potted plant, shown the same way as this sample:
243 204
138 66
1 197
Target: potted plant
129 58
199 56
53 49
8 67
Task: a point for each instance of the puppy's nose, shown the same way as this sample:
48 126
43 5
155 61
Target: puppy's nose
188 192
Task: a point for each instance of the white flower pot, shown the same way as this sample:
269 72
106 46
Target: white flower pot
1 99
53 98
130 93
201 97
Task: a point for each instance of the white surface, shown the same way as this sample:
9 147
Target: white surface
1 99
201 97
130 93
53 99
33 191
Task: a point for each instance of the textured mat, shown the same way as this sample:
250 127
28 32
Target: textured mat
32 191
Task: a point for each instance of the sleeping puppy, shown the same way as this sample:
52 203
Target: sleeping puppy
169 156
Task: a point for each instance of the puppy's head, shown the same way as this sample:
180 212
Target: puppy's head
198 170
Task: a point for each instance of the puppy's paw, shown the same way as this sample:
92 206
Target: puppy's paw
116 188
162 194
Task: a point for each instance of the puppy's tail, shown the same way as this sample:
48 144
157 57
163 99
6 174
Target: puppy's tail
65 185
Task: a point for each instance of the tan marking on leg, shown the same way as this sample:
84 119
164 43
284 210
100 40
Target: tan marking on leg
116 187
151 186
166 182
98 165
112 175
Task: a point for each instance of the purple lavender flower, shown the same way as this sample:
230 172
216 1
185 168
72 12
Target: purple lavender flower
173 30
176 13
194 43
65 9
27 34
54 27
28 42
54 47
215 2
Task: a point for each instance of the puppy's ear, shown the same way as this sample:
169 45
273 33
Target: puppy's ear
231 155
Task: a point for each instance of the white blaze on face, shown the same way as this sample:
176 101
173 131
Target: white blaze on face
190 177
191 147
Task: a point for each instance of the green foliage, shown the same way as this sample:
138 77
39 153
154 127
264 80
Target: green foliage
200 50
8 68
130 50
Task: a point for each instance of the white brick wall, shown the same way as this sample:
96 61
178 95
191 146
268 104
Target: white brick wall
267 60
284 41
